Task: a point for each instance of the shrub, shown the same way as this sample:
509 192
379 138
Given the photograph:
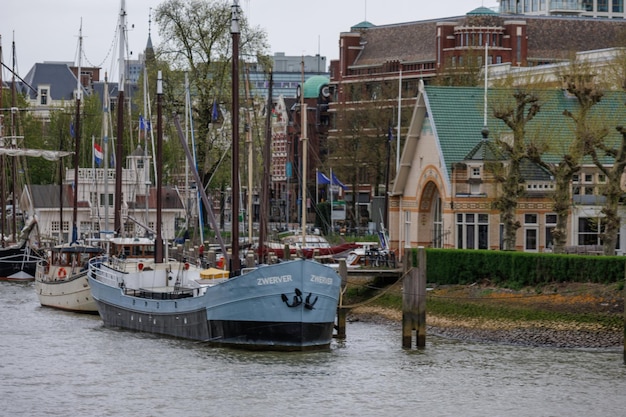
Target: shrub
519 269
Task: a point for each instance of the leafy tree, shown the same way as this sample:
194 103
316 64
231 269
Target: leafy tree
198 40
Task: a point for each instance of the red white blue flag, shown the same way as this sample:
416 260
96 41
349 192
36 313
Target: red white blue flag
98 156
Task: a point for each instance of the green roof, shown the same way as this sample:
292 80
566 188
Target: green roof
313 85
458 117
363 25
482 11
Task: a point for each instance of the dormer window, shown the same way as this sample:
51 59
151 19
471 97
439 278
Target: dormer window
43 97
475 172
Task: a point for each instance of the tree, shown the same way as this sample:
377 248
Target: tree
198 40
359 152
516 117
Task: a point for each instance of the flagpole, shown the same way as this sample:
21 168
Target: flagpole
330 188
317 187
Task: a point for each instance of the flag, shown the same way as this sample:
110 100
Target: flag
144 124
390 134
337 182
322 179
215 114
97 154
72 133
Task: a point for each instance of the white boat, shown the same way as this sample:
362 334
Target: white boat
61 280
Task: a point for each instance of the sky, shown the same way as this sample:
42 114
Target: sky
45 30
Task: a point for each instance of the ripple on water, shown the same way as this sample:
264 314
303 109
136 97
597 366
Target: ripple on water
59 364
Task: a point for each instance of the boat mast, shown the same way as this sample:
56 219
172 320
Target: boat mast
105 144
2 167
14 145
158 241
120 123
248 129
304 140
235 32
79 89
265 203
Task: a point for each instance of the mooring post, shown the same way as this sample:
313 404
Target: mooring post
342 312
414 300
421 298
409 300
286 252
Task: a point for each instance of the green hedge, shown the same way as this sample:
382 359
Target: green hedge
519 269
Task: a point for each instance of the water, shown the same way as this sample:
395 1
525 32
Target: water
64 364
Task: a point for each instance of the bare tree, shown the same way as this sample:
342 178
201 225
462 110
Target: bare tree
516 117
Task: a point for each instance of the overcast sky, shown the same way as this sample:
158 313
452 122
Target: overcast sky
47 30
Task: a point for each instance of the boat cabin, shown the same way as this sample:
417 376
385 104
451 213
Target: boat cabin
132 247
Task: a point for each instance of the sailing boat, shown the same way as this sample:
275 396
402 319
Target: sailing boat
18 261
61 280
284 306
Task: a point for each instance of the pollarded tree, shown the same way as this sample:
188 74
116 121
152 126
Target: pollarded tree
578 82
516 117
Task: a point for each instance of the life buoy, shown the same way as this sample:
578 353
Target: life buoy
62 273
140 266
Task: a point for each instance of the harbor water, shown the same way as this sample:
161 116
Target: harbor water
56 363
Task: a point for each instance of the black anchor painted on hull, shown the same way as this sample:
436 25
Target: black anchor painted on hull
308 304
297 299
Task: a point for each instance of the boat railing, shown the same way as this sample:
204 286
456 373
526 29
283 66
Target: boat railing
103 275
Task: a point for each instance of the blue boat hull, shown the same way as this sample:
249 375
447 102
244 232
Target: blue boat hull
286 306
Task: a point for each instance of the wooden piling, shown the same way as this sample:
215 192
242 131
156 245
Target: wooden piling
286 252
342 312
421 298
414 300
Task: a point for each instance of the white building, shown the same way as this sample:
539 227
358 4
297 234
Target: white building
96 202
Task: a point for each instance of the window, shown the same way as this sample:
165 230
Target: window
472 231
590 230
103 200
530 232
550 226
43 97
438 225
